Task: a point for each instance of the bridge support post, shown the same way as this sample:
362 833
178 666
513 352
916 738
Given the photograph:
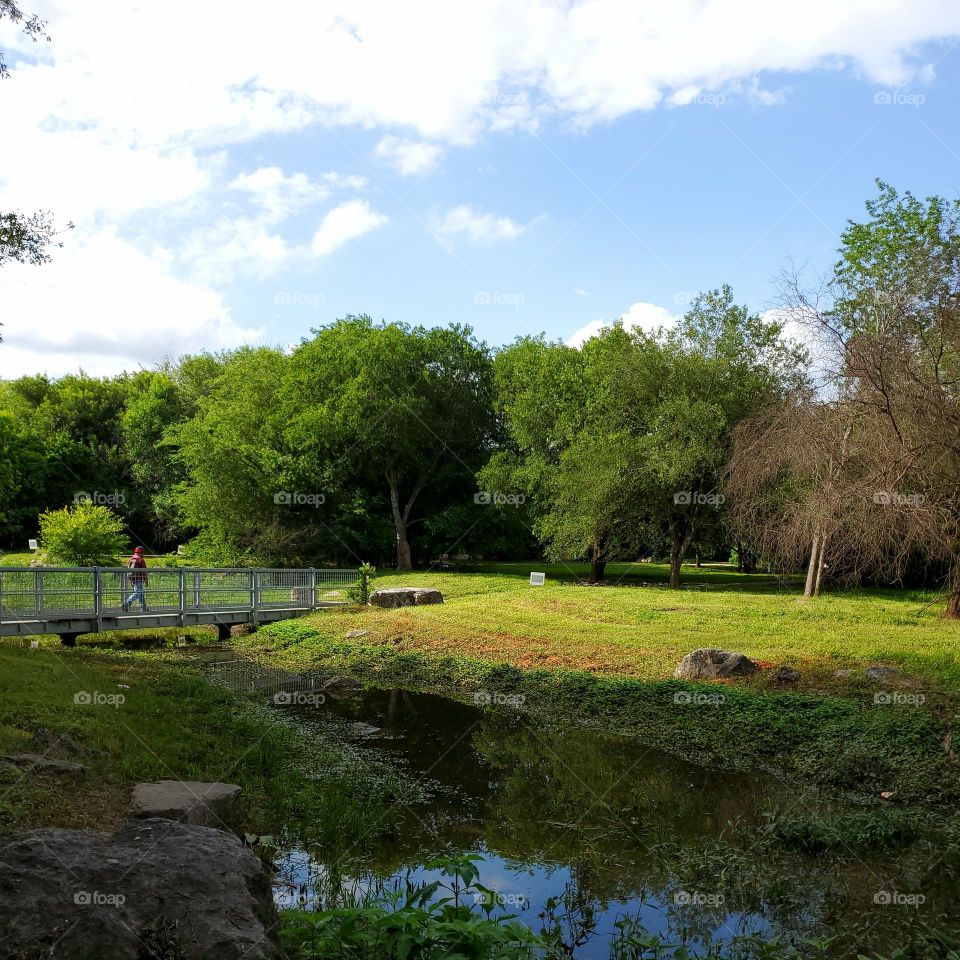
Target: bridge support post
69 639
223 632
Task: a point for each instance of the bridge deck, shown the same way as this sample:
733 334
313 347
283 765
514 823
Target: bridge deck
73 600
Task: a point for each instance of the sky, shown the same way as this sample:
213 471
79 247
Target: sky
240 173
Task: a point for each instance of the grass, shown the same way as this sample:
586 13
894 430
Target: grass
131 717
494 615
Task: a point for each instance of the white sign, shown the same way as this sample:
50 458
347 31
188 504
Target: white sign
537 579
32 544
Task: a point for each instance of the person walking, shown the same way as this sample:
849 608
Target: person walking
139 578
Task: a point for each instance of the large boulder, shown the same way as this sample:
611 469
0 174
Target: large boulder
710 664
405 597
156 888
189 801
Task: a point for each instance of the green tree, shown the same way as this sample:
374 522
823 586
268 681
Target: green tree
82 536
387 410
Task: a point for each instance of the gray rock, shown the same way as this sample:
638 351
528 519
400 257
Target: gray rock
786 675
156 888
711 664
364 729
45 763
189 801
405 597
355 634
881 674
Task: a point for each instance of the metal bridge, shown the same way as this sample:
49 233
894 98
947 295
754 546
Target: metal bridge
72 600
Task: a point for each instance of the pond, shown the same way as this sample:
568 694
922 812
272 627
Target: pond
583 829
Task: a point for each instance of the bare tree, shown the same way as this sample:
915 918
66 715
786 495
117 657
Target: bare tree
866 469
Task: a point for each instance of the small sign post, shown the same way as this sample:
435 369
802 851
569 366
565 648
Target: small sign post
537 579
32 544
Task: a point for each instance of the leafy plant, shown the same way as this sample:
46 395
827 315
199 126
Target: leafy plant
360 592
84 535
432 921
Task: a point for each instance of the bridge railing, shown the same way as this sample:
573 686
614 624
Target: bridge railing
49 593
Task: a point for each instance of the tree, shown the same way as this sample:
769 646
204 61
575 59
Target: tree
84 535
887 329
26 238
387 407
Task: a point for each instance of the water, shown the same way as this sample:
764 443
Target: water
601 824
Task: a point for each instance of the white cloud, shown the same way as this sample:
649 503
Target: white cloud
643 316
344 223
106 307
580 292
409 156
464 221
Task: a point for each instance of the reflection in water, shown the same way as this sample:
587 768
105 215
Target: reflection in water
579 829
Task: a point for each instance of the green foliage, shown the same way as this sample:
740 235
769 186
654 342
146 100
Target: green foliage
84 535
359 593
433 921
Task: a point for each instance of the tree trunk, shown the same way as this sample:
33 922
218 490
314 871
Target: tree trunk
812 566
699 564
676 558
404 559
821 566
597 566
953 599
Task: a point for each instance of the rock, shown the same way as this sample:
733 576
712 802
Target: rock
46 763
710 664
881 674
355 634
364 729
786 675
154 889
405 597
341 688
189 801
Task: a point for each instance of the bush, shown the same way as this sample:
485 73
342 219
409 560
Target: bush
82 536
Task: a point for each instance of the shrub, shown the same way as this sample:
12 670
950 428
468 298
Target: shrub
84 535
360 591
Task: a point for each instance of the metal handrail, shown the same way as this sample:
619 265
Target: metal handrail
50 593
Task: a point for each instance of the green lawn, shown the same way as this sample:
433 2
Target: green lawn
639 628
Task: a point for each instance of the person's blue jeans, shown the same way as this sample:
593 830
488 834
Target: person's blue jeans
137 594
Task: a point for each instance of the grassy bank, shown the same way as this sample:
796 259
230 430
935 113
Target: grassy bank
134 717
605 656
642 631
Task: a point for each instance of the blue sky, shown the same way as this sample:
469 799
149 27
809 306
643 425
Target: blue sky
542 170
